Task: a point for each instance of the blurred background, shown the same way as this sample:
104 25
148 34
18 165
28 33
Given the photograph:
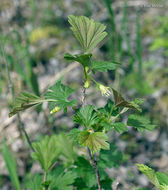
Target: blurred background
34 36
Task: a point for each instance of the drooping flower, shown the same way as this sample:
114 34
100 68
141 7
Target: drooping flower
105 90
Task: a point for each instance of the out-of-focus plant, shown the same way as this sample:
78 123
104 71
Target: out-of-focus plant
161 36
120 48
158 179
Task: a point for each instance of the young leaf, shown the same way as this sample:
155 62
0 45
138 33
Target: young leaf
141 123
74 134
95 141
24 101
86 116
83 59
46 151
87 32
103 66
121 102
11 166
150 173
62 180
67 149
34 183
59 93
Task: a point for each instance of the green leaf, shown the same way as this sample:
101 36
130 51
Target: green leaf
106 184
46 151
121 102
86 116
86 178
62 180
163 187
34 183
59 93
110 158
24 101
103 66
67 149
109 109
74 134
150 173
11 166
87 32
85 172
141 123
119 127
162 178
95 141
84 59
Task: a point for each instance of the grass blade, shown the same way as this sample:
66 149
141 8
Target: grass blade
11 166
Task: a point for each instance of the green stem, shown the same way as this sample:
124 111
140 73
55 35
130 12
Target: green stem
44 179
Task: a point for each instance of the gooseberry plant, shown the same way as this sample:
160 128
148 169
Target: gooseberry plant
93 123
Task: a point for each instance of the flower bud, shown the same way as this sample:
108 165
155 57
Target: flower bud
55 110
87 84
86 69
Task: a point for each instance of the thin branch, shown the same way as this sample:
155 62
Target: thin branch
10 86
97 172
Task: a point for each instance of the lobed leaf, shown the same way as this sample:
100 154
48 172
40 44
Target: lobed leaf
34 183
86 116
110 158
119 127
61 180
85 172
46 151
87 32
59 93
95 141
67 149
74 134
141 123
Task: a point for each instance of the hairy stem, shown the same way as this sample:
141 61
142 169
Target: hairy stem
10 86
94 164
92 158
